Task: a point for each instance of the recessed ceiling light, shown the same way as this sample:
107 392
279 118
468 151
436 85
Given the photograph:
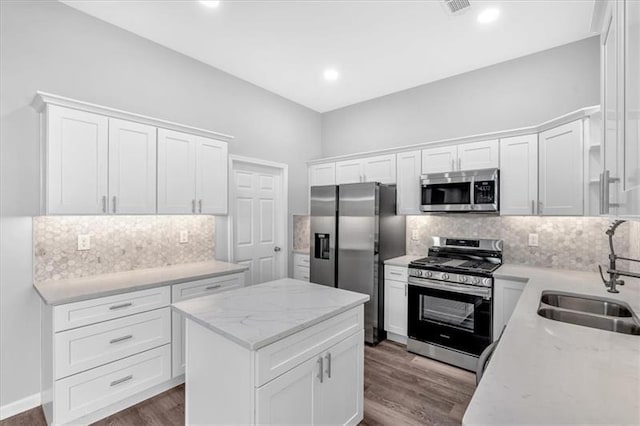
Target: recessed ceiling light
488 15
331 74
210 3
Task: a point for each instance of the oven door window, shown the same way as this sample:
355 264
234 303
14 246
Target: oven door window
446 193
452 313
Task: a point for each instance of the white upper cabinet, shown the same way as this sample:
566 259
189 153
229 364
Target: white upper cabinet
479 155
76 162
409 166
381 168
519 175
561 171
211 176
132 168
176 172
349 171
440 160
322 174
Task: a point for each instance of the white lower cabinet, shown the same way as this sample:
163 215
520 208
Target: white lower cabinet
301 266
506 294
395 302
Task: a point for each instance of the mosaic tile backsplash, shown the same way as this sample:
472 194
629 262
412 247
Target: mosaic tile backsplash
118 243
577 243
301 229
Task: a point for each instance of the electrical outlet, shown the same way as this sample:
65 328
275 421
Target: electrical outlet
414 235
84 242
184 237
533 240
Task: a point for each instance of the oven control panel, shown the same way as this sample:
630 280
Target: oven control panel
450 277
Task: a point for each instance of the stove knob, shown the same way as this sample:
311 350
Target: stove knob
474 281
445 276
487 282
428 274
463 279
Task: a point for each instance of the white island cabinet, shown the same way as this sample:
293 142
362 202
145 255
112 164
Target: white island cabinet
282 352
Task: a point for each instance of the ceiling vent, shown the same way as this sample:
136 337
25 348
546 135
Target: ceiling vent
456 7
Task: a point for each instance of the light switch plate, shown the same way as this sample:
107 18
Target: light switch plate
533 240
184 237
414 235
84 242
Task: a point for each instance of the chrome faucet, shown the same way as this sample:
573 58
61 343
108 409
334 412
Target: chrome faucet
612 271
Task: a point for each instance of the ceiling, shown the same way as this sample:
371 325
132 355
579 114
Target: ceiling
378 47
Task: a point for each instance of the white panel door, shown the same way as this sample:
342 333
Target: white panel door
519 175
176 172
349 171
291 398
132 167
77 161
211 176
395 306
381 168
561 187
409 168
257 221
322 174
479 155
340 399
439 160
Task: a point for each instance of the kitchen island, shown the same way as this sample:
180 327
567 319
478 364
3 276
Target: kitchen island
280 352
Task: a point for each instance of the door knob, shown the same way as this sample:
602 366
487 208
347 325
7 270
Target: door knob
276 249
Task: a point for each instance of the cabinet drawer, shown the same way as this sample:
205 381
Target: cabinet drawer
301 260
87 347
83 393
301 273
207 286
283 355
87 312
397 273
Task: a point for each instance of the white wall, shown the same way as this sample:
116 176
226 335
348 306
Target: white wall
49 46
518 93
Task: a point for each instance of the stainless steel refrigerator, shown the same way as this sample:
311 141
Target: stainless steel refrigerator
354 229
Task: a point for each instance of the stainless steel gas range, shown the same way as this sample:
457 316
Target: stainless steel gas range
450 303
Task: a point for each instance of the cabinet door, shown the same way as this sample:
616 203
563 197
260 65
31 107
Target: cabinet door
349 171
322 174
291 398
395 307
409 168
77 161
381 168
479 155
438 160
519 175
561 171
629 161
340 399
211 176
176 172
132 168
505 298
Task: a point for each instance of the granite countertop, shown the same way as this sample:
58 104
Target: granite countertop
57 292
550 372
402 260
259 315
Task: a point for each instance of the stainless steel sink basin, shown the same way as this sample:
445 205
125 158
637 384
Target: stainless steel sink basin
587 304
589 311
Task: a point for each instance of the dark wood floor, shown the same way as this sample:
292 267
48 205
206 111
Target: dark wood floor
399 389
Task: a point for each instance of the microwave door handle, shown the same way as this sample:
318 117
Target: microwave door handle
473 192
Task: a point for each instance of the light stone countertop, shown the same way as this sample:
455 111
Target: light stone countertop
550 372
402 260
259 315
57 292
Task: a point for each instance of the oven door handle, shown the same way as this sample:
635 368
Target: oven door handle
483 292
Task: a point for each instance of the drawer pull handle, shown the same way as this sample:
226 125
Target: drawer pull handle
120 306
328 358
124 379
121 339
213 287
395 273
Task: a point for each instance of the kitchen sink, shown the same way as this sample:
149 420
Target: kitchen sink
586 304
589 311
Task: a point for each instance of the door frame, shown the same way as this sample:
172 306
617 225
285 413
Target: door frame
284 191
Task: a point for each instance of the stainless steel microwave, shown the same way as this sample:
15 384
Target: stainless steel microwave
461 191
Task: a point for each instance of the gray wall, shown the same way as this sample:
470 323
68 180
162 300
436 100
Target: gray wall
517 93
54 48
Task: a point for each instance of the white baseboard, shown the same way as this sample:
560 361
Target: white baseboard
396 338
17 407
